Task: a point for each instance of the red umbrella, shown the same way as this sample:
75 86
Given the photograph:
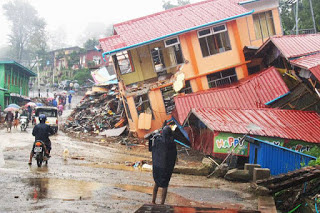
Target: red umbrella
32 104
12 109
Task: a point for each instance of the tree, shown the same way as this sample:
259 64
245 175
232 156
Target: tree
90 43
168 5
288 9
27 38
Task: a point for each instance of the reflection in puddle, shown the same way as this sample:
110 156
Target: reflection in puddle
172 198
61 189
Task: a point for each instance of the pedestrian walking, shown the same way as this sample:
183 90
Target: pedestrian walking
16 119
30 112
9 119
69 100
164 154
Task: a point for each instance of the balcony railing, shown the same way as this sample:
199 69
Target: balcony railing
223 81
303 31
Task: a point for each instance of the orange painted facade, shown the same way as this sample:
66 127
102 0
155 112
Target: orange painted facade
241 33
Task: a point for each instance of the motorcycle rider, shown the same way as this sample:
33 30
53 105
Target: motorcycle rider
42 131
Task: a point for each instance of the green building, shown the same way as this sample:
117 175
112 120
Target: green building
14 83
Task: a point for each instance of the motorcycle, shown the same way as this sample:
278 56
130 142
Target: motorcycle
39 153
23 123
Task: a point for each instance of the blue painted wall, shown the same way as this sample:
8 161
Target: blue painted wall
276 158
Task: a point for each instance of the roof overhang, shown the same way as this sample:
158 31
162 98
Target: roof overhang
19 65
112 52
247 2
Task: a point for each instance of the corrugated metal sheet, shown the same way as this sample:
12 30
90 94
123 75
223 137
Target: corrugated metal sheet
250 93
174 20
278 159
290 124
292 46
311 62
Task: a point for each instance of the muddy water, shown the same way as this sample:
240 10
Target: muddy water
68 190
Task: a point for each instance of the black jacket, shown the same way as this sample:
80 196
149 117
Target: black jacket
42 132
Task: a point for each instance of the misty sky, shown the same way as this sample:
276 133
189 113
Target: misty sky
70 21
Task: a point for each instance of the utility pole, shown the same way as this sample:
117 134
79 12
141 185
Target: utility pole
297 20
38 75
314 22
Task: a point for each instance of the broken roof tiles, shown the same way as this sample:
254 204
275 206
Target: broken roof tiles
293 46
290 124
311 63
253 92
161 24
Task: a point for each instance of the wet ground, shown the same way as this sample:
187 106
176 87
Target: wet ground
94 179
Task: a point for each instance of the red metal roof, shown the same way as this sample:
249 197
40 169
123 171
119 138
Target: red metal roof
250 93
174 20
290 124
292 46
311 63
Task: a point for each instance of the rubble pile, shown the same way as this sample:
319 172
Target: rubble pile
97 113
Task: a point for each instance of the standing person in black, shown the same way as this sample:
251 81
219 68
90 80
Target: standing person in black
9 119
42 131
164 154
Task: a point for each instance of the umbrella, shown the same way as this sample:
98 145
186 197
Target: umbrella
71 91
50 99
14 106
39 104
10 109
32 104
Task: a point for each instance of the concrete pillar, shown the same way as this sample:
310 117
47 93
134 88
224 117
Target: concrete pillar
250 167
260 173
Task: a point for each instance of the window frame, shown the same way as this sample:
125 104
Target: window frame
128 53
173 44
222 77
215 36
164 90
143 101
266 22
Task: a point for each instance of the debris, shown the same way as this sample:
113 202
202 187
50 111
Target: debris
113 132
237 175
98 112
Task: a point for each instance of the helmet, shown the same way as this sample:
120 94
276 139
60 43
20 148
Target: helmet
42 118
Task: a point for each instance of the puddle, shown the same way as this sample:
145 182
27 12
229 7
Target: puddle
172 198
115 166
67 190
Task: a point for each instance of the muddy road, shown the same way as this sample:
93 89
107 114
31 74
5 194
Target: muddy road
95 179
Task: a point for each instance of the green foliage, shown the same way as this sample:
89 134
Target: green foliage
82 75
90 43
168 5
314 151
287 11
27 37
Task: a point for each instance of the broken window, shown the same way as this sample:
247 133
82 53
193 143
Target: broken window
143 105
125 62
168 57
167 95
187 89
214 40
222 78
263 24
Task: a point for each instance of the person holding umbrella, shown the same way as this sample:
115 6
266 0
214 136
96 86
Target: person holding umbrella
9 120
69 100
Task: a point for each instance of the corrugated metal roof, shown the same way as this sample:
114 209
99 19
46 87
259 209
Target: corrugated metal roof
250 93
311 62
174 20
29 72
292 46
290 124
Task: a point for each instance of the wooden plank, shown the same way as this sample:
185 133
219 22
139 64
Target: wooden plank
266 204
